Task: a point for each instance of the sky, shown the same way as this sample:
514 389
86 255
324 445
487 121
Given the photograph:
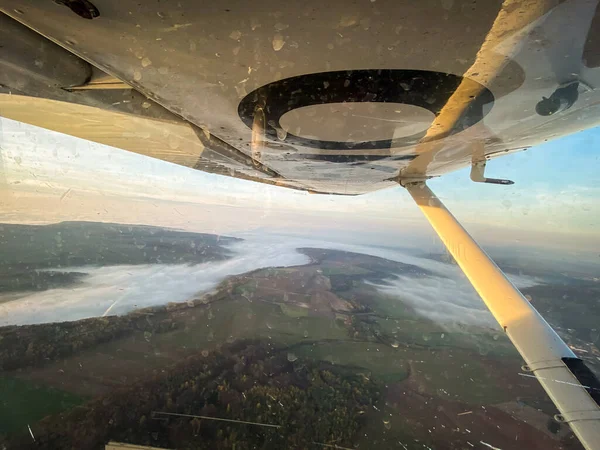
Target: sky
549 218
50 177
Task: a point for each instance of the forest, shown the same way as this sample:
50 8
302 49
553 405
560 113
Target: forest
293 404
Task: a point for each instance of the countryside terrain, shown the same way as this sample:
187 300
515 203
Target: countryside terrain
313 355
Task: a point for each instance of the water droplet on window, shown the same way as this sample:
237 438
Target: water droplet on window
281 134
348 21
254 24
447 4
278 42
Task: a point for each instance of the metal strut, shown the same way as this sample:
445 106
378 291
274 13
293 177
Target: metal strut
570 384
478 175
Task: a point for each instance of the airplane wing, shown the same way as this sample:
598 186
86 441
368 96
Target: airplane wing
331 98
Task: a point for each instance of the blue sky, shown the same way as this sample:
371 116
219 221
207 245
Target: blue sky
557 184
558 164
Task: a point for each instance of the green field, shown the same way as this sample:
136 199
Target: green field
385 363
23 402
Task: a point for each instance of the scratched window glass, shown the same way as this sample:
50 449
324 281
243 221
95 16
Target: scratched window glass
323 225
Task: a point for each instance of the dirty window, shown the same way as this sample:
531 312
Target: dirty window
208 238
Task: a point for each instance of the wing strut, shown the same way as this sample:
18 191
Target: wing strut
570 384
